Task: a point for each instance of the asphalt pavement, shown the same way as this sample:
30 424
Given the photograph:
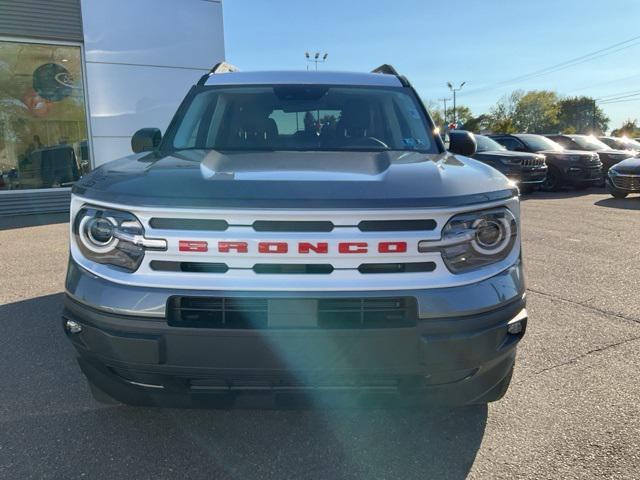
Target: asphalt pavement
573 409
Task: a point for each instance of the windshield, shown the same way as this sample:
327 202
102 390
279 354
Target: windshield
486 144
537 143
590 143
621 143
302 117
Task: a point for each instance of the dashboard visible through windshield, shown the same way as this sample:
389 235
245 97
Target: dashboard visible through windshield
302 117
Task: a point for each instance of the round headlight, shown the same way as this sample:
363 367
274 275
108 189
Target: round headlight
96 234
491 235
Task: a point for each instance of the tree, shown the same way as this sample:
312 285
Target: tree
581 115
479 124
628 129
463 114
501 114
537 112
436 113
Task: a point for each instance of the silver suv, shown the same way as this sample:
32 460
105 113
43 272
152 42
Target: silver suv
296 233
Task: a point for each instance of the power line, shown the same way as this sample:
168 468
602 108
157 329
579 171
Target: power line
608 82
563 65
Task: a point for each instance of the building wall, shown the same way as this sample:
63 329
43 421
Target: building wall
142 57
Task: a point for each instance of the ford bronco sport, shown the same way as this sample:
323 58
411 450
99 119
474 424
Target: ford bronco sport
295 233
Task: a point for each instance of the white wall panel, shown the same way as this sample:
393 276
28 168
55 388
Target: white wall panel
124 98
106 149
141 57
179 33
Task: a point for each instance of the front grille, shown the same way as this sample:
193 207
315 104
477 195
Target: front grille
629 182
532 162
397 225
259 313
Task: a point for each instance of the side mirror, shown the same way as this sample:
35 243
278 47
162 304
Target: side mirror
146 140
462 143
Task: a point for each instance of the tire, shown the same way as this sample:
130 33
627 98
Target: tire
618 194
553 180
497 392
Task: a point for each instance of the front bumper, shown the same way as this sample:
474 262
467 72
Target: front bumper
527 175
443 358
579 174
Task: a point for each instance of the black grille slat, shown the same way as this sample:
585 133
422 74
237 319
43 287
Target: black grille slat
380 268
189 224
292 226
189 267
397 225
253 313
293 268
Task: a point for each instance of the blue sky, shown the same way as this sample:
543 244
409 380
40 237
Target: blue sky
480 42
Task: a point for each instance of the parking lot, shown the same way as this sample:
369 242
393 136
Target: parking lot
572 410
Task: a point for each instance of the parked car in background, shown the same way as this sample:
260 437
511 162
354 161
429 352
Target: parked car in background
621 143
528 170
624 178
608 156
565 167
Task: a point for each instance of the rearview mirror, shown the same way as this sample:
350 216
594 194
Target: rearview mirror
146 140
462 143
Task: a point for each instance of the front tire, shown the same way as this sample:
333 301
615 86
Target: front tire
618 194
552 181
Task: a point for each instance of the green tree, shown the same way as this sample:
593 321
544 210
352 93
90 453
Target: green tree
581 115
628 129
502 113
537 112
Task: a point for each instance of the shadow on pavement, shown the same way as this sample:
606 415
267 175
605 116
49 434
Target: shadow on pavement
564 193
50 426
629 203
22 221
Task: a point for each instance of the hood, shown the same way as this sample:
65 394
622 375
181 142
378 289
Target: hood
629 166
208 178
617 153
506 154
579 153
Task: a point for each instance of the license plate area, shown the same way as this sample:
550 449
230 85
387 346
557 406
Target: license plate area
292 313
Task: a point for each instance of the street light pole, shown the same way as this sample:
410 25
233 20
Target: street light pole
455 90
444 101
316 58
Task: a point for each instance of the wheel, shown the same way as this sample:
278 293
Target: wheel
618 194
497 392
615 193
552 181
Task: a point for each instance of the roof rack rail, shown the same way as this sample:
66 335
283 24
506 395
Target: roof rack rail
220 67
386 69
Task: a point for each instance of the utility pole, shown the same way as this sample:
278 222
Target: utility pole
444 101
455 90
315 59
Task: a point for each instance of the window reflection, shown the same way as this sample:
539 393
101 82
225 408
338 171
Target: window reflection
43 129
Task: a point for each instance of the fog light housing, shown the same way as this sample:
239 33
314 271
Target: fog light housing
515 328
72 326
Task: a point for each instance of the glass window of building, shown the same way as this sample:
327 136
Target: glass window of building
43 121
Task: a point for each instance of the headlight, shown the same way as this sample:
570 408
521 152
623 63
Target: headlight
511 161
612 172
476 239
112 237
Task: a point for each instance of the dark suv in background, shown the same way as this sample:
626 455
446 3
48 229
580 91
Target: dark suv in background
565 167
528 170
588 143
621 143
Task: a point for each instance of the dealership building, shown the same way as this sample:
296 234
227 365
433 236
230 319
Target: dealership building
79 77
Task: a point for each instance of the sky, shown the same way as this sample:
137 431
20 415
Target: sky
483 43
